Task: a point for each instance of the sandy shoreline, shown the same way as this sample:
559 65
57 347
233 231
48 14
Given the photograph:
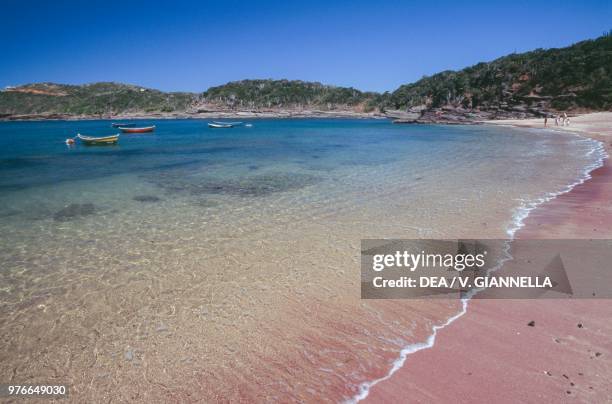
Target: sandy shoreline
490 353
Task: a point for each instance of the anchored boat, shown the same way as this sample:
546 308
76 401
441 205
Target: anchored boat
90 140
228 123
144 129
219 125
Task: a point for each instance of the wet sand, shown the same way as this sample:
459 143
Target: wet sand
492 354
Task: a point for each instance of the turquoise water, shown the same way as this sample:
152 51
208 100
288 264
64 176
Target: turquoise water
34 154
219 187
191 245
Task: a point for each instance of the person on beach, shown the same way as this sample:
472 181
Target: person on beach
556 120
545 120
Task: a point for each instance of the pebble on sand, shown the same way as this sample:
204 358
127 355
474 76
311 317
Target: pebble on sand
129 354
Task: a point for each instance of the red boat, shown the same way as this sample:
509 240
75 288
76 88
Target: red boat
137 130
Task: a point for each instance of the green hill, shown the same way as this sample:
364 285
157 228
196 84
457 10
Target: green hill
578 76
287 94
89 99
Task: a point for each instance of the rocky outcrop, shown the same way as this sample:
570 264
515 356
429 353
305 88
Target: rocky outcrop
403 116
459 115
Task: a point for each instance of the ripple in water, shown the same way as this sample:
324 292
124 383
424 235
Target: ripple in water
209 261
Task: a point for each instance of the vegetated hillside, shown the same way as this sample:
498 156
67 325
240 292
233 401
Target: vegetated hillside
89 99
286 94
578 76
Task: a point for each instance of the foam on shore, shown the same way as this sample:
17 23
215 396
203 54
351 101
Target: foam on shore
518 221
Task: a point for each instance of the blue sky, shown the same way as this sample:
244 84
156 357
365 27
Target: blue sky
192 45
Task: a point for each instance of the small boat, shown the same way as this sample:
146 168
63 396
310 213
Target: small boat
219 125
123 125
228 123
90 140
144 129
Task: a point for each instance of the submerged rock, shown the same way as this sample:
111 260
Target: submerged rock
146 198
257 185
263 185
207 203
74 210
9 213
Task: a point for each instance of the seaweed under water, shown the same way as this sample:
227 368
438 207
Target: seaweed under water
248 186
73 211
146 198
207 203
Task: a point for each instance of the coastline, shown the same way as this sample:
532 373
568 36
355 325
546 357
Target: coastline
444 116
493 347
274 114
433 117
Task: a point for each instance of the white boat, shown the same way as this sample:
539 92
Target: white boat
228 123
219 125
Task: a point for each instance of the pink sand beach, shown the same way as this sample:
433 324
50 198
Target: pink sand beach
491 353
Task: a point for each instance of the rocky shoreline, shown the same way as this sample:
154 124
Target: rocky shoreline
448 115
462 116
275 114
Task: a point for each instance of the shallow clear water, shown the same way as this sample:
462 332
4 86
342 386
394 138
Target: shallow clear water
208 250
185 159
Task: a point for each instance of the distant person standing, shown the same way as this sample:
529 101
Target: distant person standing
545 120
564 119
556 120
